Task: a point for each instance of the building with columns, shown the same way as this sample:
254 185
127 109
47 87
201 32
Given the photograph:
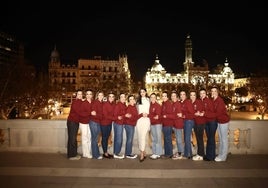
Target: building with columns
96 74
157 79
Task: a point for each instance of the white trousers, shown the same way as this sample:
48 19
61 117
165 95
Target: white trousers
142 130
85 140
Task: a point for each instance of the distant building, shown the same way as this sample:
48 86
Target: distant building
14 71
96 74
11 50
256 85
157 79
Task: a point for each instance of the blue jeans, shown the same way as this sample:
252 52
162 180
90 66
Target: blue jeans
211 128
95 131
156 136
118 137
223 129
129 138
105 133
178 134
168 147
187 128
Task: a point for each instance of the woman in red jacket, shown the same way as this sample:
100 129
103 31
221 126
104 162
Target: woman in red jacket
156 127
168 122
188 123
178 125
95 118
106 123
119 116
84 124
199 126
131 118
223 120
73 126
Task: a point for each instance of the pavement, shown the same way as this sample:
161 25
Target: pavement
54 170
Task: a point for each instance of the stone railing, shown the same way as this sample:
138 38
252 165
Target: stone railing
245 137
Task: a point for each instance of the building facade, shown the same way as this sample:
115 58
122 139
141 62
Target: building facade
14 69
96 74
157 79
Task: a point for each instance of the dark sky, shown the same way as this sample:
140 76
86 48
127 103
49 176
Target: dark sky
141 30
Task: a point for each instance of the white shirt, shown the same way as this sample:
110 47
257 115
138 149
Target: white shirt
144 106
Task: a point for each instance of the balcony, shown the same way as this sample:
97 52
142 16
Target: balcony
245 136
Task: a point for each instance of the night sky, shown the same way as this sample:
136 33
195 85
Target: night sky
141 30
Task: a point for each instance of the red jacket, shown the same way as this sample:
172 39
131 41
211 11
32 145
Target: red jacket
97 107
74 114
107 113
134 115
187 109
210 114
154 110
85 111
221 110
199 106
120 110
178 121
167 110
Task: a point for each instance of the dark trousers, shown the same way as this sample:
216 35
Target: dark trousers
168 147
105 133
199 134
72 128
211 128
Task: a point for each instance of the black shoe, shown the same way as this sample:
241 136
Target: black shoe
206 159
108 156
166 156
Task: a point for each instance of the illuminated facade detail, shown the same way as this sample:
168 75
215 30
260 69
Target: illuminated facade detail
96 74
157 79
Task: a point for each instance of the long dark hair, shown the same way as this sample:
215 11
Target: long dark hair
139 98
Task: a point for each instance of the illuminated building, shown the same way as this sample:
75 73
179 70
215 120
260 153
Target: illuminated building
96 74
157 79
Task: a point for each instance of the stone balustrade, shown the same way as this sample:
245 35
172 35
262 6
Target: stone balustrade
245 137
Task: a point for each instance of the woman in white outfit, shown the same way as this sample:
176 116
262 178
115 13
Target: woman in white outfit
143 123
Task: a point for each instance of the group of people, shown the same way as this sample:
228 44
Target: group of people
176 113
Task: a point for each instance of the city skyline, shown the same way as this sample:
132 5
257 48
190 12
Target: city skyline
142 31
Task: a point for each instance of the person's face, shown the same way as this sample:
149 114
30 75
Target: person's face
132 101
214 93
193 96
100 96
122 98
111 97
79 95
164 97
153 98
143 93
183 95
89 95
174 97
202 94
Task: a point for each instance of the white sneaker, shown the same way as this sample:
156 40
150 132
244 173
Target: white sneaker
77 157
177 156
197 158
217 159
119 156
154 156
100 157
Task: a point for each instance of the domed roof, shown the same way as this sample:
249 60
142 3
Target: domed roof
55 53
157 67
